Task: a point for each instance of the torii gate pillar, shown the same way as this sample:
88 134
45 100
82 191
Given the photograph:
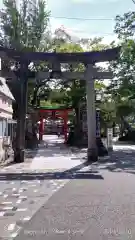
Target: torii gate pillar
41 130
21 120
65 118
92 153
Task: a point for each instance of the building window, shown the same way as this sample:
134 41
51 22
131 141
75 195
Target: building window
7 129
11 130
1 84
4 101
4 128
1 127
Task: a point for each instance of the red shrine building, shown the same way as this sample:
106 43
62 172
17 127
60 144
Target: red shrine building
53 113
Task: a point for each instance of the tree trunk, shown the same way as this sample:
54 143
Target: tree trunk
77 119
75 136
121 129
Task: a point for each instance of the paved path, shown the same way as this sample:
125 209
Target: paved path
55 156
25 187
57 197
98 203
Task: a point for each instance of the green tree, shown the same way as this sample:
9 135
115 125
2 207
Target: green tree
73 94
25 27
122 88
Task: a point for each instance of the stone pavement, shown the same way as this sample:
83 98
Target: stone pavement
56 155
98 203
25 187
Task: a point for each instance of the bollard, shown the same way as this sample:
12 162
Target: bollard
110 139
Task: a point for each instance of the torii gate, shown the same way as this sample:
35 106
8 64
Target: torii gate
55 112
89 59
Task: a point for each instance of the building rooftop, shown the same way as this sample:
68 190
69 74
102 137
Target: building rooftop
4 89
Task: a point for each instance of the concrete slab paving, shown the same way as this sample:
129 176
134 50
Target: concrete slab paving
98 203
57 197
87 209
25 187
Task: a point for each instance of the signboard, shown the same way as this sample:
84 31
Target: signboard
98 123
84 122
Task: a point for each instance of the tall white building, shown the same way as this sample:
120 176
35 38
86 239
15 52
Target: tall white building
6 122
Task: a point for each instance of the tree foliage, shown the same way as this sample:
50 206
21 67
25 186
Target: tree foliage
24 26
122 87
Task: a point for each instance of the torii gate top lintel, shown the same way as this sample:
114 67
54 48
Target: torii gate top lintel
84 57
59 111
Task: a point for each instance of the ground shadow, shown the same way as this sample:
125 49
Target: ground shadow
29 155
122 160
124 143
73 173
52 150
48 176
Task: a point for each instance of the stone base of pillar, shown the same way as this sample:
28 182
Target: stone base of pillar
19 156
81 141
40 137
102 151
92 155
110 149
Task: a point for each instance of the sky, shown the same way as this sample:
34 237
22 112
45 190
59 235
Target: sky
88 9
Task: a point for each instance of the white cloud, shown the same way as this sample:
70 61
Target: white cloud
80 29
76 33
55 23
87 34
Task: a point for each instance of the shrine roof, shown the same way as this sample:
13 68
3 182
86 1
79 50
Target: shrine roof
4 89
